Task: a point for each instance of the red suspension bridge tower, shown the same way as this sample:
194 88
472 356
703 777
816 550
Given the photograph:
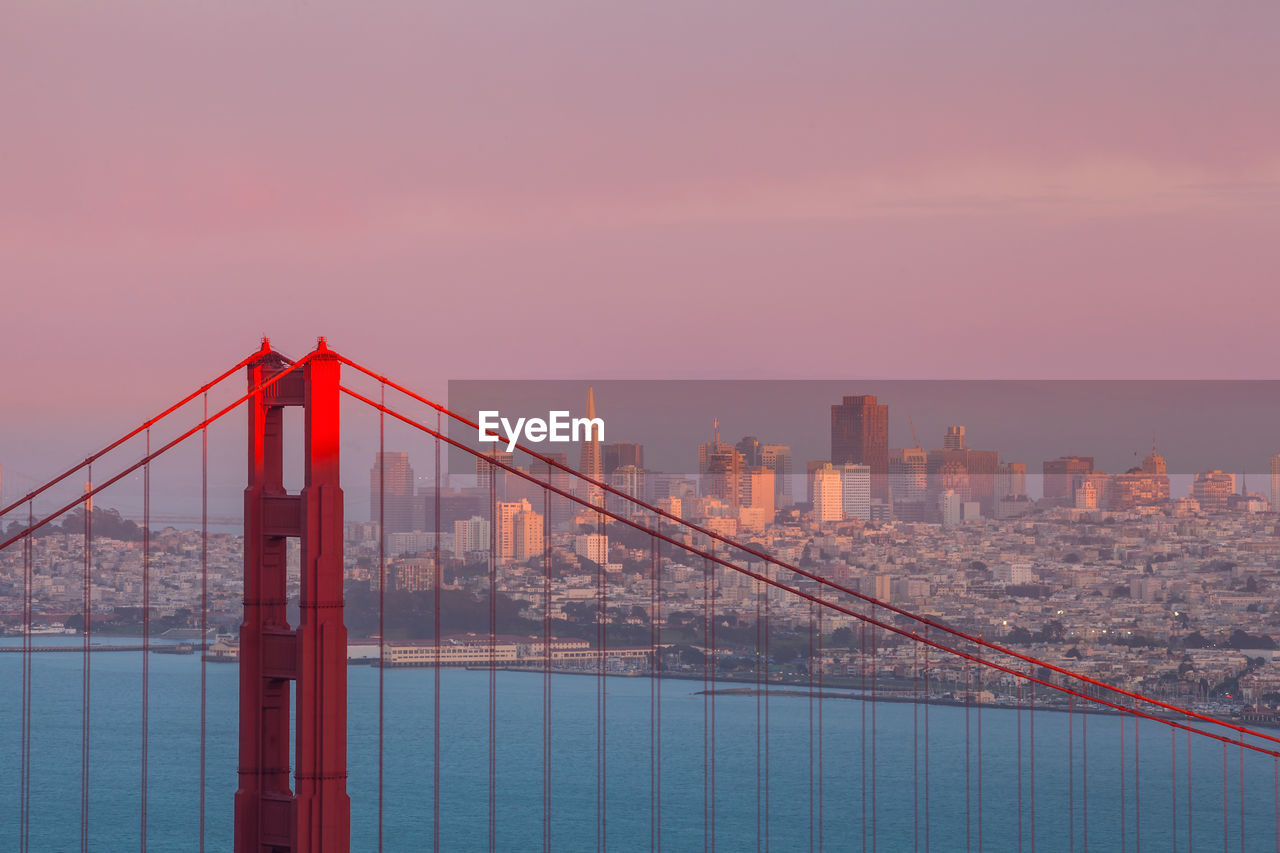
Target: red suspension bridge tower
269 816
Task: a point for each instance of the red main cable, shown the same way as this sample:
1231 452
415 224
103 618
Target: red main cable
89 460
33 526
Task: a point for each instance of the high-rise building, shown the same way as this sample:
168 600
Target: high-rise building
908 474
391 492
1275 483
860 434
1212 489
621 453
591 462
750 449
758 491
470 535
592 546
1137 488
954 438
1062 475
855 490
777 458
509 518
1153 463
827 494
487 472
721 467
628 479
1011 480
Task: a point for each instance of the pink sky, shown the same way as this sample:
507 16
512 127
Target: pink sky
692 189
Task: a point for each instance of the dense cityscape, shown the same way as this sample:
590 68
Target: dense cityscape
1107 574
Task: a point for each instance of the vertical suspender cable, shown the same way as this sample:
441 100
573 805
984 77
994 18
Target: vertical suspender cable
707 698
915 746
382 592
1173 784
812 834
655 720
1137 786
1019 762
1240 790
602 745
1084 775
27 608
862 742
546 668
978 717
818 663
1031 767
1123 840
927 702
1225 841
146 639
875 823
759 790
204 608
85 709
435 627
494 522
1190 824
714 662
968 809
1071 773
767 663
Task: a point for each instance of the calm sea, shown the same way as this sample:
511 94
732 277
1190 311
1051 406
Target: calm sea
896 822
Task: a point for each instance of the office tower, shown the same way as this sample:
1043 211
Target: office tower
486 470
1137 488
908 474
750 449
628 479
592 546
1212 489
519 530
391 479
855 490
1153 463
591 462
620 453
949 507
1086 496
827 494
470 535
1011 480
1275 483
1062 474
972 473
720 465
777 457
860 434
758 492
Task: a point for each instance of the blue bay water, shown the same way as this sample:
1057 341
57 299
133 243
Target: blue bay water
896 822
